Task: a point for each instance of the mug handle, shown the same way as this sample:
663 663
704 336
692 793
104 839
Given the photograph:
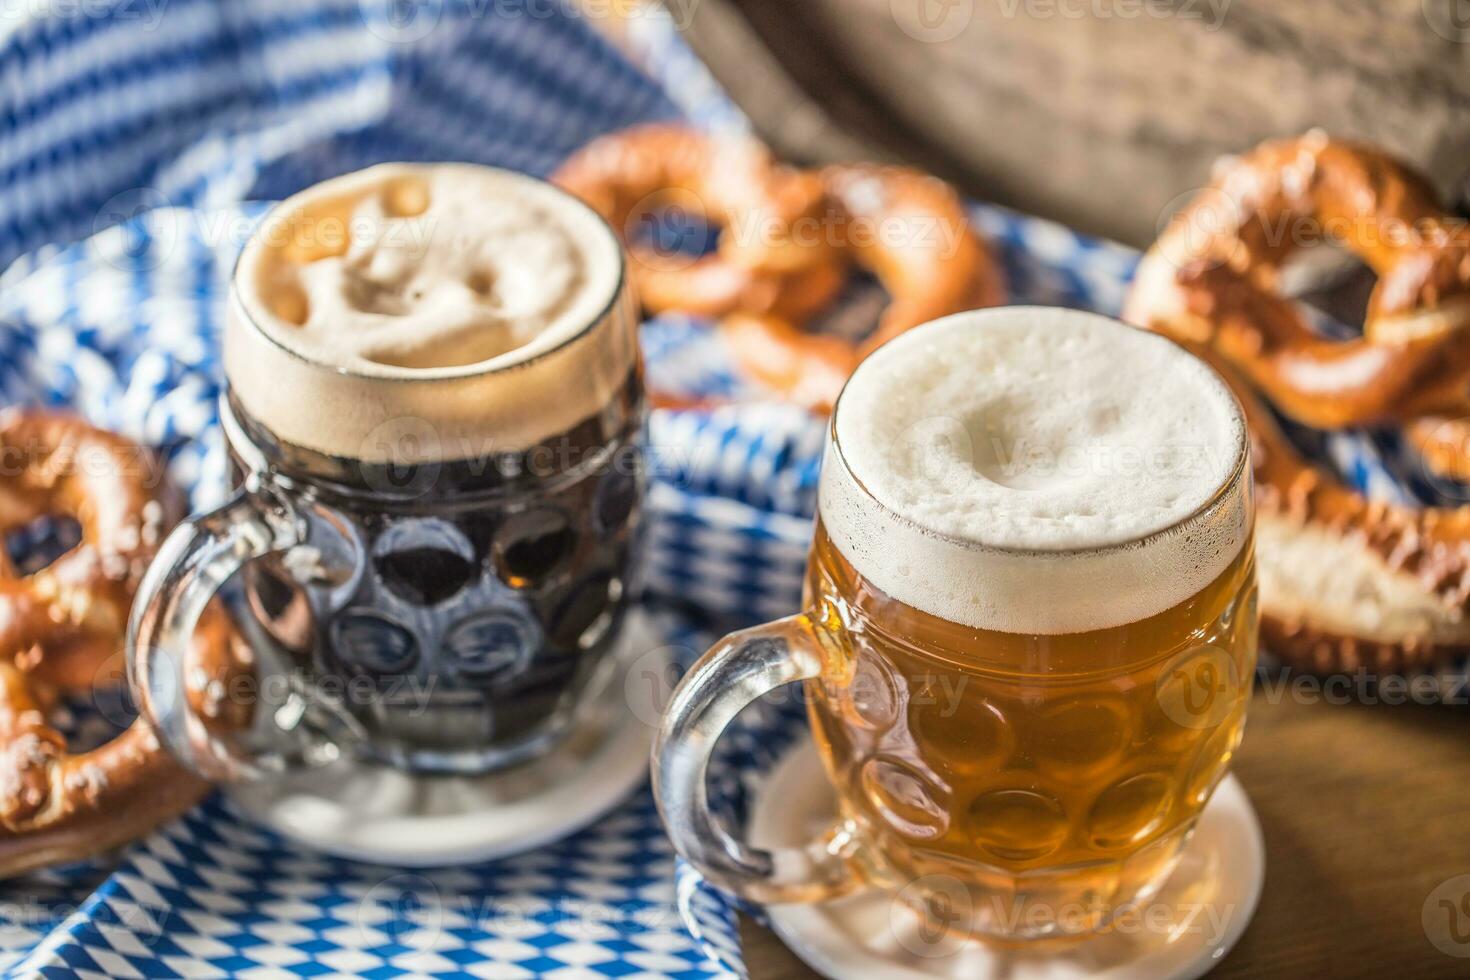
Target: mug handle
741 668
195 560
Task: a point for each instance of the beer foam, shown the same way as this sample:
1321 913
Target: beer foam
413 312
1034 470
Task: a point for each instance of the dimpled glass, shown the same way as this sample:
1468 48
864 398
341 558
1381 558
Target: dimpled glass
1037 783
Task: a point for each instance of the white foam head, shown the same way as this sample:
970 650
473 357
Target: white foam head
480 306
1034 470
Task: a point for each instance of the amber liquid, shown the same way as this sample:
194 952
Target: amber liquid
1041 782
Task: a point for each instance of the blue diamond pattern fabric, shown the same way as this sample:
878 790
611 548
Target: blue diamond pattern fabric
138 147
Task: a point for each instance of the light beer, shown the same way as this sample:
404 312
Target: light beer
1033 565
1028 634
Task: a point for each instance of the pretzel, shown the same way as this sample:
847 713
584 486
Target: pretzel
59 629
1214 273
65 619
1346 583
908 229
57 807
731 182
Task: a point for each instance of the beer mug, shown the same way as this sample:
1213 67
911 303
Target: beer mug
433 418
1028 632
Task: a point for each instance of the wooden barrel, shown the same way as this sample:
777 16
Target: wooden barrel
1099 113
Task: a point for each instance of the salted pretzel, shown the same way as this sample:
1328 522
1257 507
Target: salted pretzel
1213 277
908 229
62 626
56 806
1349 583
733 183
1345 582
66 618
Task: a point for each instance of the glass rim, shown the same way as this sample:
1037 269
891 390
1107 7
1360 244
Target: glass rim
1239 470
480 369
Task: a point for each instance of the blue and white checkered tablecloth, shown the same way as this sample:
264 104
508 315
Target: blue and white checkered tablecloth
135 134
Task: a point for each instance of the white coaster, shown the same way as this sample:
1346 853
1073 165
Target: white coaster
1179 934
387 816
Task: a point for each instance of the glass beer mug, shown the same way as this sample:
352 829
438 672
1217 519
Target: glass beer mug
433 415
1028 632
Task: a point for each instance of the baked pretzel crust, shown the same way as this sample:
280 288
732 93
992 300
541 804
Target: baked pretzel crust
61 633
1397 579
733 183
1347 583
65 619
57 807
1214 277
908 229
790 238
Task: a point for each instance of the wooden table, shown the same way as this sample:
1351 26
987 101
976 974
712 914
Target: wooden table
1366 809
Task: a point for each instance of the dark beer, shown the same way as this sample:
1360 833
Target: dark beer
437 367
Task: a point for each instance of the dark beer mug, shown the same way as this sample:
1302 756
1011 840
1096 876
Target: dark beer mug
433 420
